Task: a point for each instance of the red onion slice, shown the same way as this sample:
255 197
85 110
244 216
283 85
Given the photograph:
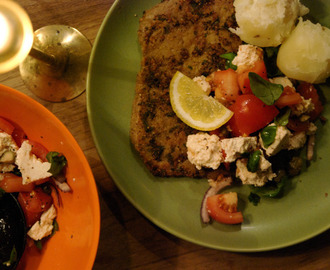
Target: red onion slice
310 147
213 190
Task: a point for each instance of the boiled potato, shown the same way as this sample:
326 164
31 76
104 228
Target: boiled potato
266 23
305 55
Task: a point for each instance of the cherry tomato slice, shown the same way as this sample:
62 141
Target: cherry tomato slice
34 203
13 183
243 77
250 115
219 213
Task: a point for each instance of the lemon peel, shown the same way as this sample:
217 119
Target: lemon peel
194 107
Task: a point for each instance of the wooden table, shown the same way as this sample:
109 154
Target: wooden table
128 240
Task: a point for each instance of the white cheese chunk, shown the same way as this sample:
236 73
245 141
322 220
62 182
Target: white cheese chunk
203 83
258 178
203 150
297 140
233 148
31 167
247 55
44 227
281 141
304 107
7 143
284 81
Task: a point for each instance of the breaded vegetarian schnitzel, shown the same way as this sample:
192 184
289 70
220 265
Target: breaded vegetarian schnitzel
176 35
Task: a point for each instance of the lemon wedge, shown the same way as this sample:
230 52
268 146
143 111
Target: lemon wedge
194 107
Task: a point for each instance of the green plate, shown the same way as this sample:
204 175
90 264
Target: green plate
173 204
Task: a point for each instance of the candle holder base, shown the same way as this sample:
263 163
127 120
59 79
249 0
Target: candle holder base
56 68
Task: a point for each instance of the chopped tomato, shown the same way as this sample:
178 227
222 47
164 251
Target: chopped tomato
223 208
39 150
250 115
13 183
226 85
243 77
296 125
308 91
34 203
6 126
19 135
289 97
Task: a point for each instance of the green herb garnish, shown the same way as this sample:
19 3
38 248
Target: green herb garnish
253 161
283 118
254 198
268 135
38 244
229 59
271 189
55 227
266 91
58 162
12 258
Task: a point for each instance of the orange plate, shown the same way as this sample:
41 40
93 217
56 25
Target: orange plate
74 246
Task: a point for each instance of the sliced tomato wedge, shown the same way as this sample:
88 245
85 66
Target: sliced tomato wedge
226 85
6 126
13 183
243 77
39 150
34 203
18 135
250 115
223 208
289 97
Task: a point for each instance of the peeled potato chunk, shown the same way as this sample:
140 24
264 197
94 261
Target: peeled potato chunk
305 55
266 23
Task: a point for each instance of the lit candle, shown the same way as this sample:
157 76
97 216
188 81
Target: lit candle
16 35
6 34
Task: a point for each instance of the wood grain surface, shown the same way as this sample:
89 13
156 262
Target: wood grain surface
128 240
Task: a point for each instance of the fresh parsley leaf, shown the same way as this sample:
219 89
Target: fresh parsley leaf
283 118
55 227
253 161
254 198
58 162
229 57
268 135
266 91
38 244
272 189
12 258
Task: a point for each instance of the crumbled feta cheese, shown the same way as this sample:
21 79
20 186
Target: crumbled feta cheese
235 147
311 129
247 55
31 167
203 83
5 167
44 227
7 143
204 150
281 141
305 106
297 140
258 178
284 81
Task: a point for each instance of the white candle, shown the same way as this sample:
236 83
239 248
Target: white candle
6 34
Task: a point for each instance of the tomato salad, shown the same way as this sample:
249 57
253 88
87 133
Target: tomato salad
34 175
274 120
